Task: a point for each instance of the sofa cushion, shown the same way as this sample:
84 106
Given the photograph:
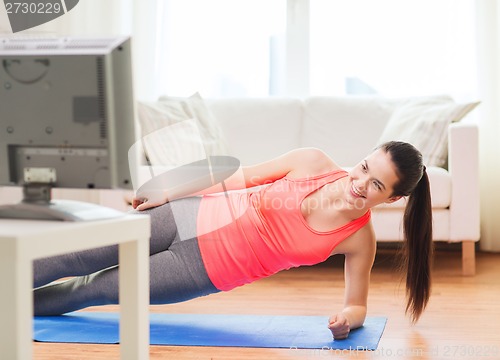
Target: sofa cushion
177 131
424 123
440 180
346 128
256 129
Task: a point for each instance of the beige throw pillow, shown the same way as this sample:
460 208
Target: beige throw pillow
177 131
424 123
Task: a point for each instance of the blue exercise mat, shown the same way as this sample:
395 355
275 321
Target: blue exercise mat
301 332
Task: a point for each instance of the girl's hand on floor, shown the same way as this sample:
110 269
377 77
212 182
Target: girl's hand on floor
339 326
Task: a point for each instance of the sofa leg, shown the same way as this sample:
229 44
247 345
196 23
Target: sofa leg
468 258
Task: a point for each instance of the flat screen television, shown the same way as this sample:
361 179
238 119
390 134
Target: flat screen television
66 120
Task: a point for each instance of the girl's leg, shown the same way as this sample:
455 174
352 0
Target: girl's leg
168 222
176 275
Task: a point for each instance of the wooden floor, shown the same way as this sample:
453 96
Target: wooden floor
462 320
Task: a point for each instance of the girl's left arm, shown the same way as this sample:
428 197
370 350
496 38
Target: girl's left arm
357 268
302 161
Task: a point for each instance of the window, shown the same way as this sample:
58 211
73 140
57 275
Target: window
392 47
238 48
220 47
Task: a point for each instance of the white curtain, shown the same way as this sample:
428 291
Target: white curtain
488 51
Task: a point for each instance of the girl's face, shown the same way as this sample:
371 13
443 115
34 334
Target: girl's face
371 182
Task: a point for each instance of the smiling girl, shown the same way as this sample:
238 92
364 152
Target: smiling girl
300 209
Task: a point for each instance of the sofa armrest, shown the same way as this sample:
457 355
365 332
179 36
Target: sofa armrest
463 165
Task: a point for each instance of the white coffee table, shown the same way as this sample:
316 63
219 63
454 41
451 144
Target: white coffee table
22 241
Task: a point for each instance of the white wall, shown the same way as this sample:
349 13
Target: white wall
488 36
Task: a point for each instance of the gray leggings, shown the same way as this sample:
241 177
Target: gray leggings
177 272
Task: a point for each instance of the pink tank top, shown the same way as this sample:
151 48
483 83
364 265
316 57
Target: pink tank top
244 236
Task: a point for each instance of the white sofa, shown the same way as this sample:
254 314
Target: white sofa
346 128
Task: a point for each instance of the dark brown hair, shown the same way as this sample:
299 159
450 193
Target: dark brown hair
417 252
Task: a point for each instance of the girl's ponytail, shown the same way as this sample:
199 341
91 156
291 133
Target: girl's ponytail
418 248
